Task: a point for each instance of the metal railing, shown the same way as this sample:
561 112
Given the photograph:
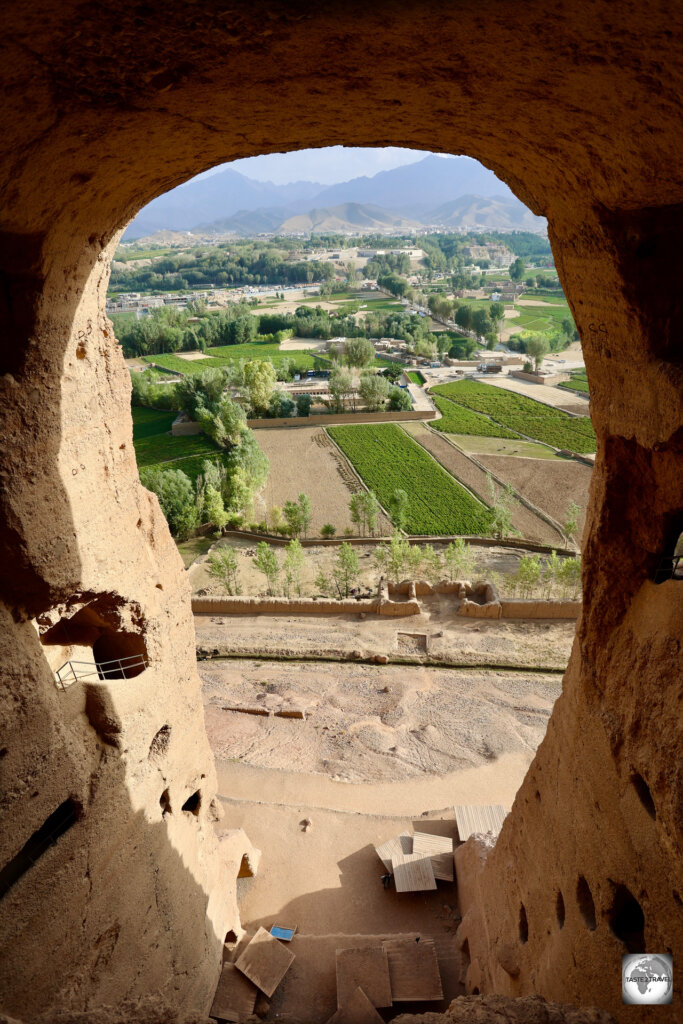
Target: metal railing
117 668
669 568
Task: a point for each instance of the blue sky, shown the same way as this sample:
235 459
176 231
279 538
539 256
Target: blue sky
328 166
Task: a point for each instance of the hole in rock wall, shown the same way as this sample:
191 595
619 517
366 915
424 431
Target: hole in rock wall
559 909
644 795
193 804
59 822
120 655
523 925
627 920
159 744
584 898
165 803
97 631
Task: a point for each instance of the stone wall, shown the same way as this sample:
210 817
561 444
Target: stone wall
105 108
329 419
223 605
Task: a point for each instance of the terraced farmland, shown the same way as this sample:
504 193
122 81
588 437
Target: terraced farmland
154 446
523 415
456 419
387 460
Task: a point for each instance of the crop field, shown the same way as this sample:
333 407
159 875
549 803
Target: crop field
154 446
388 460
524 415
541 318
415 377
456 419
575 384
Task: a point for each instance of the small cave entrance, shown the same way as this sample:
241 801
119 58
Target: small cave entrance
523 925
160 742
560 910
193 804
584 898
644 795
165 803
627 920
95 643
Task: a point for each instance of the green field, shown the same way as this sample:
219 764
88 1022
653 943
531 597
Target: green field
456 419
499 446
154 446
575 384
388 459
221 356
415 377
523 415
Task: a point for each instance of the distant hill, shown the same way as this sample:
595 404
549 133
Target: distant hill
497 213
218 196
346 217
459 189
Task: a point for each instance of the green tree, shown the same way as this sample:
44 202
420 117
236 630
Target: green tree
214 510
175 493
305 513
346 569
517 269
397 507
222 566
303 404
328 530
259 384
276 518
550 573
266 561
292 566
399 400
324 583
528 574
536 345
359 352
481 324
503 505
431 563
224 422
463 317
341 388
374 390
460 561
292 514
569 576
570 525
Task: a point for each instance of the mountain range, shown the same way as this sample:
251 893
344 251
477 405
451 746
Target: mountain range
448 191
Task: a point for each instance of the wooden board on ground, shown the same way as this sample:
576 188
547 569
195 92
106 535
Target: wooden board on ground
235 996
265 961
357 1010
366 968
413 872
413 970
479 818
439 849
402 843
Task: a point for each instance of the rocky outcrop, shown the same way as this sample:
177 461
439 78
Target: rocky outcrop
106 107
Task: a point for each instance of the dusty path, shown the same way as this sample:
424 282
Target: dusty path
452 641
372 723
552 489
530 526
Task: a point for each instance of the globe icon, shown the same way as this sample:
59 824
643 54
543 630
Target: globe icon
647 979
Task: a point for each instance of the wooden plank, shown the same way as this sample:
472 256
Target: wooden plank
265 961
439 849
235 996
402 843
413 970
479 819
357 1010
366 968
413 872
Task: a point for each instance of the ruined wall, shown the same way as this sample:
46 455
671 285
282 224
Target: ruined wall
105 108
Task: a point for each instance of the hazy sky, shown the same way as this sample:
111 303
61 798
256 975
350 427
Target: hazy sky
328 165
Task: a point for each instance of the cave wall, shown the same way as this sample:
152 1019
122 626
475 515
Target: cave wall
104 108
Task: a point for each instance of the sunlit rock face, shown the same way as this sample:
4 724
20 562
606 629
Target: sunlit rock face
105 108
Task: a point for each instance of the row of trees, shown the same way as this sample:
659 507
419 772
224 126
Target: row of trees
396 561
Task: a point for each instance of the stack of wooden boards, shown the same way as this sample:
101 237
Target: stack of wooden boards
397 971
417 860
260 967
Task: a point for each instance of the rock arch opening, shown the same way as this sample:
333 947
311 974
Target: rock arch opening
626 919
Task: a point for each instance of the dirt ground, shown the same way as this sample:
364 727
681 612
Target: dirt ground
373 723
489 559
304 459
552 489
530 526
